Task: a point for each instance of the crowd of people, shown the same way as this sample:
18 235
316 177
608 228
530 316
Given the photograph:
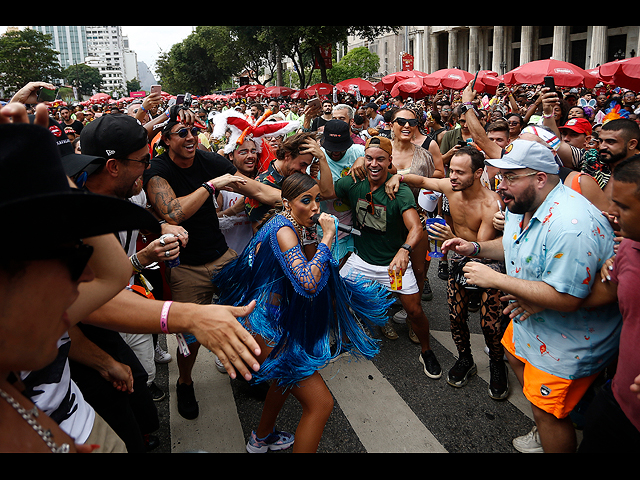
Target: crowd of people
282 234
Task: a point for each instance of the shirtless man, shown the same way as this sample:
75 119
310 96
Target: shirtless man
473 207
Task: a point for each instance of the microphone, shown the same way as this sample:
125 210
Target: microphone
341 227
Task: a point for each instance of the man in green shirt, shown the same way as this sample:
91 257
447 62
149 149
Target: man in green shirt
390 229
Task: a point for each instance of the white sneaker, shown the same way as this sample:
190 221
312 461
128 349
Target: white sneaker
160 356
529 443
400 317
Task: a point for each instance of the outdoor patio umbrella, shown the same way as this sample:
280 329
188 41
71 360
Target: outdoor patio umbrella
348 86
392 79
451 78
565 74
623 73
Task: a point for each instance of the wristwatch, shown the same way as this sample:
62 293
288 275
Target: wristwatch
407 247
465 108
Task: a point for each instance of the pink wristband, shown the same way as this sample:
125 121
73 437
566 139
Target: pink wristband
164 316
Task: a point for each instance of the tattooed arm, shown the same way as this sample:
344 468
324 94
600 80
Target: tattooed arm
176 210
170 208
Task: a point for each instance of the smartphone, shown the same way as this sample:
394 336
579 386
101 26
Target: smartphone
315 102
473 87
180 99
46 95
156 89
550 83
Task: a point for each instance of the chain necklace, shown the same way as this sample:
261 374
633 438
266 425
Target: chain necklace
30 416
299 229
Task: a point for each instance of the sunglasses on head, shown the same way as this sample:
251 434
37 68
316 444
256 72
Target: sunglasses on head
183 132
75 257
413 122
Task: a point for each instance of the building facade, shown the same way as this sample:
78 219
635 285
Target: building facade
500 48
101 47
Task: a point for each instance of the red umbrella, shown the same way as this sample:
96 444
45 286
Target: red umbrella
390 80
565 74
274 92
348 86
451 78
412 87
487 81
321 88
301 95
623 73
100 98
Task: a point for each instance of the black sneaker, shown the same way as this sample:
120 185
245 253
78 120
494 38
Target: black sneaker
427 293
499 381
459 374
187 404
443 270
157 394
431 366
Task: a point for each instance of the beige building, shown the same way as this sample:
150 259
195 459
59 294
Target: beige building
501 48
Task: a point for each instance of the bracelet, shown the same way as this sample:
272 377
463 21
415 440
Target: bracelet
210 188
476 249
401 178
137 266
164 316
547 116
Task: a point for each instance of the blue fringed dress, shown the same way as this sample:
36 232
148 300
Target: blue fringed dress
298 318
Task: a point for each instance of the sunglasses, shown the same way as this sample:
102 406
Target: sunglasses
510 178
146 160
183 132
413 122
75 257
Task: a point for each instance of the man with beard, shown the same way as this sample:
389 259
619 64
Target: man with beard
472 208
619 140
554 244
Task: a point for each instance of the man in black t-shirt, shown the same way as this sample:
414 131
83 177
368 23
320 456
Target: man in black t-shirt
181 185
68 121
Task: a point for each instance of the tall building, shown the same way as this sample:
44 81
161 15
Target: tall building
101 47
69 40
501 48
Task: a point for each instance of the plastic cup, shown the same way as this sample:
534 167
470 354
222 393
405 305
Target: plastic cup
436 245
395 279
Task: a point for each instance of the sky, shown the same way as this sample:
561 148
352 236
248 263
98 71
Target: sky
149 40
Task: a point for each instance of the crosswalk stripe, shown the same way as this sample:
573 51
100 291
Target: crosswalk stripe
361 392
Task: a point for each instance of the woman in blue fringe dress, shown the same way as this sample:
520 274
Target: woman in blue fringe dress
306 314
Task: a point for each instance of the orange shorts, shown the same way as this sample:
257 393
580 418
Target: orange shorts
554 395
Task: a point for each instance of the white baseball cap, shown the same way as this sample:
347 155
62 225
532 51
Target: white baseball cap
526 154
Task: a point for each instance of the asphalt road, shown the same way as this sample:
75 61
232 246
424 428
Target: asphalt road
383 406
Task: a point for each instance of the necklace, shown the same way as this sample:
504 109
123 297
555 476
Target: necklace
30 416
299 230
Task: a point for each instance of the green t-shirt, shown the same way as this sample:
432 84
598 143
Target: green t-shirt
384 232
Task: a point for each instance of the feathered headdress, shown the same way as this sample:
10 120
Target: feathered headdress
241 129
614 113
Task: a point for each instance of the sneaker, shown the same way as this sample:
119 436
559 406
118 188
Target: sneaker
529 443
459 374
187 404
427 293
400 317
499 381
157 394
412 336
443 270
389 332
274 441
431 366
160 356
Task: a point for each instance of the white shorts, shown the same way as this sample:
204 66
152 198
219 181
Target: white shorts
356 266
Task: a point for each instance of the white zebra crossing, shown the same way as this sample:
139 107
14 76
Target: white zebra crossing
360 390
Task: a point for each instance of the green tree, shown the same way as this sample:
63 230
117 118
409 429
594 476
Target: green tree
26 56
358 63
87 79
